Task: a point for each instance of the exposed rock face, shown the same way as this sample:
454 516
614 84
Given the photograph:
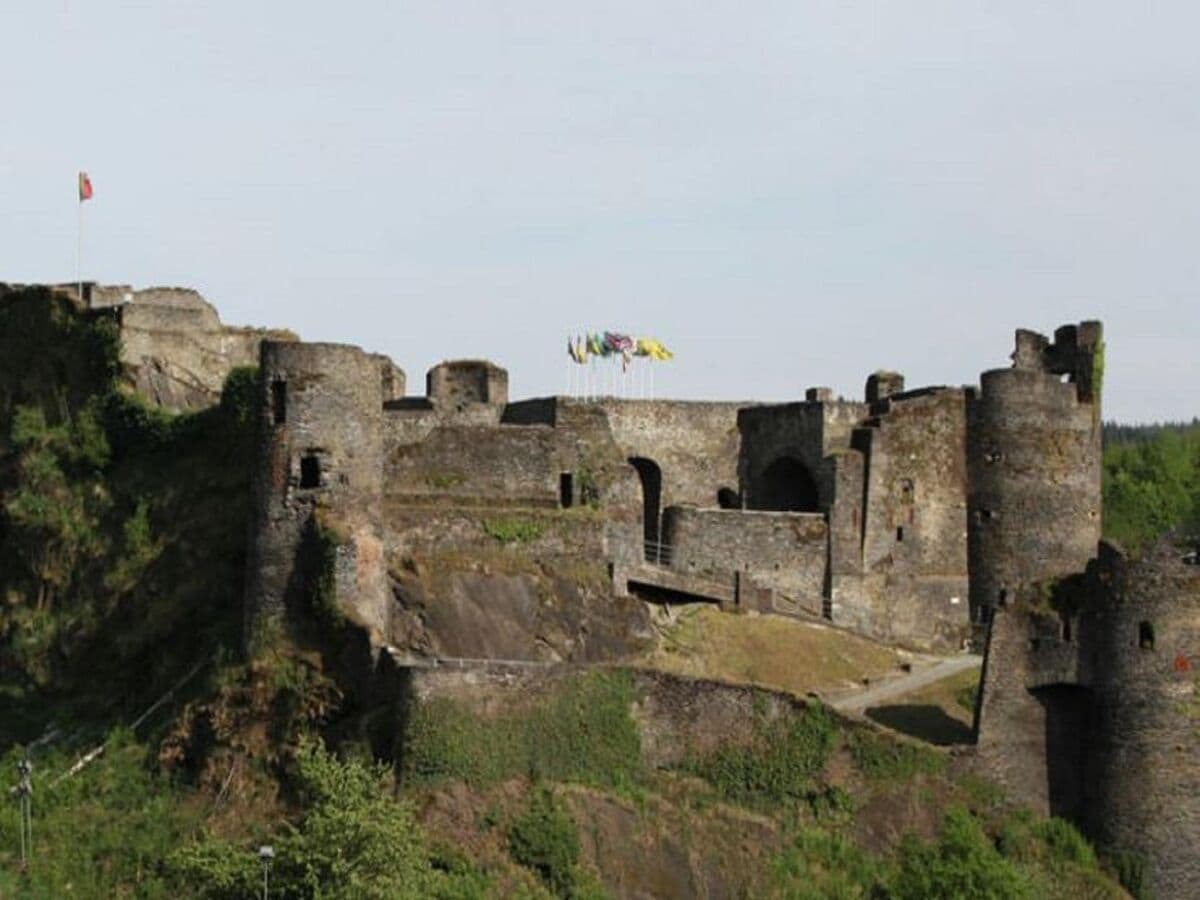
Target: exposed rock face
176 350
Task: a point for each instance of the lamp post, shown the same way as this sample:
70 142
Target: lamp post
25 797
266 853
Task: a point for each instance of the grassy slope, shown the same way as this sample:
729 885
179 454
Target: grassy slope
771 651
800 806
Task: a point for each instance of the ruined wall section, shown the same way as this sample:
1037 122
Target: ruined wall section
783 552
913 586
320 467
499 538
457 385
1145 751
176 352
807 432
695 444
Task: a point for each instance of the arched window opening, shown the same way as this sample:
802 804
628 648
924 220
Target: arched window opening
907 491
787 486
727 498
651 477
1146 636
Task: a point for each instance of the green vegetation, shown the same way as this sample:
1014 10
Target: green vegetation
442 481
582 732
887 759
963 863
1133 871
1027 860
512 530
587 486
778 766
102 833
355 841
545 839
124 526
1151 483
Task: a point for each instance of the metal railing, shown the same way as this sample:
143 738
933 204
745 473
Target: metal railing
658 553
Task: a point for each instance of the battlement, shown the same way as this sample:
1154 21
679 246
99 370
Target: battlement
457 384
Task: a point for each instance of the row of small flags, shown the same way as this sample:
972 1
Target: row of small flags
613 344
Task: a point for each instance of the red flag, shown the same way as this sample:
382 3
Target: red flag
85 187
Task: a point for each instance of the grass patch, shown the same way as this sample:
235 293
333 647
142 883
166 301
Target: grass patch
778 766
581 732
513 530
881 759
771 651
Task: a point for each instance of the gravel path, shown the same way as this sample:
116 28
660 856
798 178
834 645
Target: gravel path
906 684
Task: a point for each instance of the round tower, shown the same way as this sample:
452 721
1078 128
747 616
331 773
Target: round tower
319 476
1033 515
1144 653
1034 462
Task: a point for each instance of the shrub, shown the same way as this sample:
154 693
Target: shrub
778 765
823 866
963 863
544 838
355 842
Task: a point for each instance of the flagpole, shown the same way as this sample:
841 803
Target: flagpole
79 253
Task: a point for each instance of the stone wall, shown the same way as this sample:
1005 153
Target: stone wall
694 444
675 715
908 584
806 432
785 552
463 464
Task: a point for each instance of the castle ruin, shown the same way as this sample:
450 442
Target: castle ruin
465 525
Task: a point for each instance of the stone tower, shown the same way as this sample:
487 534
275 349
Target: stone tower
1033 502
1141 658
1033 458
320 467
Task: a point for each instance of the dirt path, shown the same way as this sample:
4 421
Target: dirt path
906 684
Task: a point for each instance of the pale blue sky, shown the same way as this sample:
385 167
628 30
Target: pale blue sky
785 193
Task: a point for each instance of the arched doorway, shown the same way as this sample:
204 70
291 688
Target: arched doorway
787 486
651 477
